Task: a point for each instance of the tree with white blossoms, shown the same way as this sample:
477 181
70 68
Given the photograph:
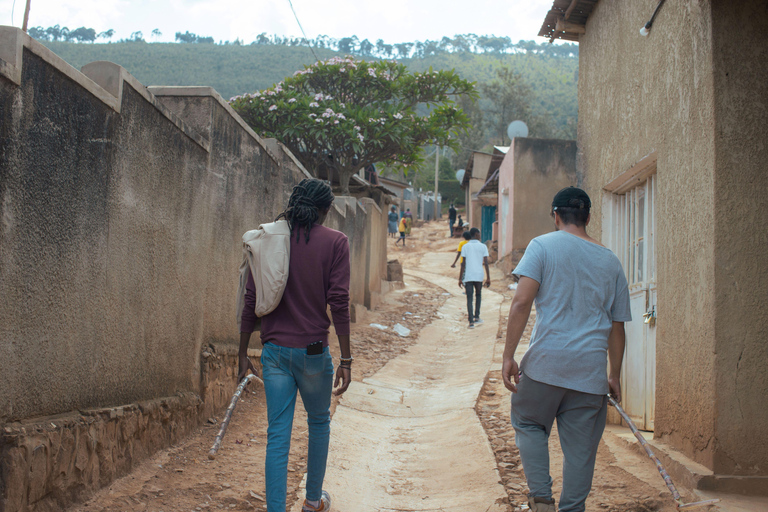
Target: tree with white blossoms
344 114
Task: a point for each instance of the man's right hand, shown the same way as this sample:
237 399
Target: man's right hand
244 365
510 374
614 383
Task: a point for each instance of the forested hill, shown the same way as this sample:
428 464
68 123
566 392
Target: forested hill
233 69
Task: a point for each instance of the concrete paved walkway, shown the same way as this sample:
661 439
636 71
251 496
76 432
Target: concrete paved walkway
408 438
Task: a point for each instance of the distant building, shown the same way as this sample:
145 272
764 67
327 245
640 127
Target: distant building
480 167
532 172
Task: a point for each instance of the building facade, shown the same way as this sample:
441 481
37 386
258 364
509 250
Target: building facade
673 151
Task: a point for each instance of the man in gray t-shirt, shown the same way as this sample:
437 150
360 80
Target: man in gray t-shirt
582 302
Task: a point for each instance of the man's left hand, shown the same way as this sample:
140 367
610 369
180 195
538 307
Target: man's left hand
461 285
343 380
487 283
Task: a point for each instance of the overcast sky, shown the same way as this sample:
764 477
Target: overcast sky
392 20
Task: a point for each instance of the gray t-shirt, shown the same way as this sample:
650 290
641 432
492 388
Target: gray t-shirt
582 290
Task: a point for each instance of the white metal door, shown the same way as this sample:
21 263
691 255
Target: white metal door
631 230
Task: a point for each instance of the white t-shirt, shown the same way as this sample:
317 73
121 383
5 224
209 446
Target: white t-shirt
473 253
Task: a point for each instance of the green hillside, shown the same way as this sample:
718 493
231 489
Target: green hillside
233 69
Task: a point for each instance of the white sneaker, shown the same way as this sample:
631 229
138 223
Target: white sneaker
325 504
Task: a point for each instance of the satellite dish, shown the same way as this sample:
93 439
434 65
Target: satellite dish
460 175
517 129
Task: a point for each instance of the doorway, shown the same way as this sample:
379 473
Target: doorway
630 229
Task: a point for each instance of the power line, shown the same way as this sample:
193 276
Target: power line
302 30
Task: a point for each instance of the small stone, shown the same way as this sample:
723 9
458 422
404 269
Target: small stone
255 496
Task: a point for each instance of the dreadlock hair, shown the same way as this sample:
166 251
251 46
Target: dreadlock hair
307 200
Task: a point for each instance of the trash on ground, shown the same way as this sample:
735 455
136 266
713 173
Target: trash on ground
379 326
408 313
513 286
401 330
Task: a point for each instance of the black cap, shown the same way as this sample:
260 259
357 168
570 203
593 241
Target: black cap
572 197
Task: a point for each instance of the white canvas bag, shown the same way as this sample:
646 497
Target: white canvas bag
266 252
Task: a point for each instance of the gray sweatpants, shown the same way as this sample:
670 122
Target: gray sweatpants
580 424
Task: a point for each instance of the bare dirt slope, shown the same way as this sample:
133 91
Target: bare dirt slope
182 479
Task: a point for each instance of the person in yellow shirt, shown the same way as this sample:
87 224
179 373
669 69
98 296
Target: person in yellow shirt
461 244
402 228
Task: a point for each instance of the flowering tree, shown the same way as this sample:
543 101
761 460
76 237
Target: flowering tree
344 114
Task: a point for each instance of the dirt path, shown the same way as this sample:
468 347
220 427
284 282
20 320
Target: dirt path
424 427
408 438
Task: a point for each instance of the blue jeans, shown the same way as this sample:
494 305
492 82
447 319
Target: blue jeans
580 423
284 371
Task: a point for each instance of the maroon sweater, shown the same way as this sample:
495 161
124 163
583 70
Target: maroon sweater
318 277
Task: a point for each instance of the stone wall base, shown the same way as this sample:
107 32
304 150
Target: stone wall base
49 463
686 473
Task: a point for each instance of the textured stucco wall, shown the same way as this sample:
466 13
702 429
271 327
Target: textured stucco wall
119 244
541 168
741 238
643 94
120 233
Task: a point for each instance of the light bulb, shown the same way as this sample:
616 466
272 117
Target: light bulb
643 31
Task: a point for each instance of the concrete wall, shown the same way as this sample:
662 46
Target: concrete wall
639 95
532 172
122 213
741 238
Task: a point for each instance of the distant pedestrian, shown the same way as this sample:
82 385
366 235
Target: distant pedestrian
392 223
475 257
295 353
408 222
466 237
402 227
582 302
451 218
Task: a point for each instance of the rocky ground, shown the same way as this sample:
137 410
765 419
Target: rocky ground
183 479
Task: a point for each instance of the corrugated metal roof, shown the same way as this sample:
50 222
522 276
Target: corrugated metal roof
578 16
491 185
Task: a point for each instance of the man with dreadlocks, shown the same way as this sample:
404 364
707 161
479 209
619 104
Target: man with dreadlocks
295 352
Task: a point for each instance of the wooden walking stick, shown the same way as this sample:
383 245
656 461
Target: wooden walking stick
667 480
228 414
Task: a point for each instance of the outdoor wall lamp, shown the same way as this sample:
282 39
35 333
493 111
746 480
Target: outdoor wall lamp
645 29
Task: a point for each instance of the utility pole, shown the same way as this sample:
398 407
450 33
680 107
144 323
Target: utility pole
437 168
26 17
